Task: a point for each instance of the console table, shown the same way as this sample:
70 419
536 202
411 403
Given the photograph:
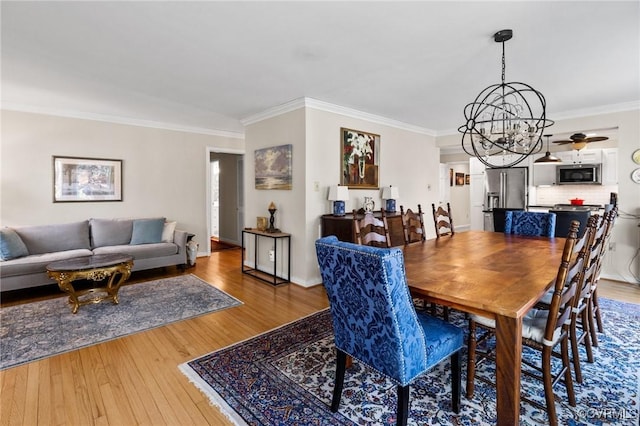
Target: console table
255 271
342 227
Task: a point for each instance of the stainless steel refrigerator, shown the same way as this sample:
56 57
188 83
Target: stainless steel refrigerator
505 188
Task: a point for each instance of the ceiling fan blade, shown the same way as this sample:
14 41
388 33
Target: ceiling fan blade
596 139
562 142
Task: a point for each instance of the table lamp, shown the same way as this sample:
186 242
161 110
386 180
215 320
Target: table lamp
338 194
390 193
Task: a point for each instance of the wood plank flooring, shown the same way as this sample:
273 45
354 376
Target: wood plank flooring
134 380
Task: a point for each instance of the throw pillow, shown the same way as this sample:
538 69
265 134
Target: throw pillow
147 231
11 245
167 232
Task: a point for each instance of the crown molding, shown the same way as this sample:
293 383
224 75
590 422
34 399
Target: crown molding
120 120
336 109
577 113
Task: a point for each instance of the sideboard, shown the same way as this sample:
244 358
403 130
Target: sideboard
342 227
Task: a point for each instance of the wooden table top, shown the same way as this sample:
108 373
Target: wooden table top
487 273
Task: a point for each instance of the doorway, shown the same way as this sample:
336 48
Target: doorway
225 188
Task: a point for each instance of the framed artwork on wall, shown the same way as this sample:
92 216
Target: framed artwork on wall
459 179
450 177
273 167
467 179
77 179
360 159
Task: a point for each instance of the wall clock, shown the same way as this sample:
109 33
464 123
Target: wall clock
636 156
635 175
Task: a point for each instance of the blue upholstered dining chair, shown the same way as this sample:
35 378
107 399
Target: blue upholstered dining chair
374 320
533 224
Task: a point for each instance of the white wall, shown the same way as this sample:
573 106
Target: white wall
164 172
408 160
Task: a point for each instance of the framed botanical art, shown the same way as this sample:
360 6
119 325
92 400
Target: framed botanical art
77 179
360 159
273 167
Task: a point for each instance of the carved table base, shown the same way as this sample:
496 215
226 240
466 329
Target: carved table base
117 268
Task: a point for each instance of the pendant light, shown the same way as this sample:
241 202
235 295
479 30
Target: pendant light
505 122
548 158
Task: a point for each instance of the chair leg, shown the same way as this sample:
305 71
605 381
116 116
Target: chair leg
456 366
568 381
596 309
575 353
445 313
341 362
586 329
402 412
471 359
591 313
548 386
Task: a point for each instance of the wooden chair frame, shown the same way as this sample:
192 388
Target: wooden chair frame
442 221
370 230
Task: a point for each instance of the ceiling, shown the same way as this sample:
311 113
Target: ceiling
210 66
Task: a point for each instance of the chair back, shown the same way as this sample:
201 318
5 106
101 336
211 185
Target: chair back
442 221
588 249
565 288
412 225
498 214
534 224
371 231
373 316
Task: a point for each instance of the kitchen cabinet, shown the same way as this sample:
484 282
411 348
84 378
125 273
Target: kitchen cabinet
584 156
544 174
610 166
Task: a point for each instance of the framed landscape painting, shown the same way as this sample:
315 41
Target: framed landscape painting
360 157
273 167
77 179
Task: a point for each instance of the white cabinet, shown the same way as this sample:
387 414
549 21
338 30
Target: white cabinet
476 194
584 156
544 174
476 167
610 166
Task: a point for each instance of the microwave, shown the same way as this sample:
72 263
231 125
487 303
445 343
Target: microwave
578 174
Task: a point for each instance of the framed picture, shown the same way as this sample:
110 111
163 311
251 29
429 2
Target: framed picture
467 179
459 179
450 177
78 179
273 167
360 158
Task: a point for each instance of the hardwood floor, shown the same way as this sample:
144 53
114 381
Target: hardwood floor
135 379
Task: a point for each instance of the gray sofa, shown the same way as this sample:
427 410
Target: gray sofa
28 250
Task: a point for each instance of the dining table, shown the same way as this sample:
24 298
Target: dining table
496 275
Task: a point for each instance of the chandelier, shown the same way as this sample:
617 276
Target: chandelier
504 124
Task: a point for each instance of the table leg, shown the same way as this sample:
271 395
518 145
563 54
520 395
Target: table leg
65 285
123 274
508 369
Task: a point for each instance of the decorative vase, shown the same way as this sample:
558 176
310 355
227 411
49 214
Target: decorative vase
369 205
361 167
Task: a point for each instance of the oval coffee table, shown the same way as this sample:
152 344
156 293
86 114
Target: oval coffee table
95 268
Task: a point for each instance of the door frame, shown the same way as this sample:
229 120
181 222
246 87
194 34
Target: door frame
207 189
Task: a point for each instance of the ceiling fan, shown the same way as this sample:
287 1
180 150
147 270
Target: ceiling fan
580 140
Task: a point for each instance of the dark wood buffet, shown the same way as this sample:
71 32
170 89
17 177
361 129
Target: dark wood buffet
342 227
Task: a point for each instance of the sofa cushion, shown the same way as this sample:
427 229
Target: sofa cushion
11 245
147 231
140 251
110 232
37 263
58 237
167 231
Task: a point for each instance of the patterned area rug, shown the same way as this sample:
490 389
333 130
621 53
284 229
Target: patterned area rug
285 377
41 329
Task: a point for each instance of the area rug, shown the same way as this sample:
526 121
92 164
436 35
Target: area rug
285 377
41 329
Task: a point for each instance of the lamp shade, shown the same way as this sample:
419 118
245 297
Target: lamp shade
338 193
390 193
